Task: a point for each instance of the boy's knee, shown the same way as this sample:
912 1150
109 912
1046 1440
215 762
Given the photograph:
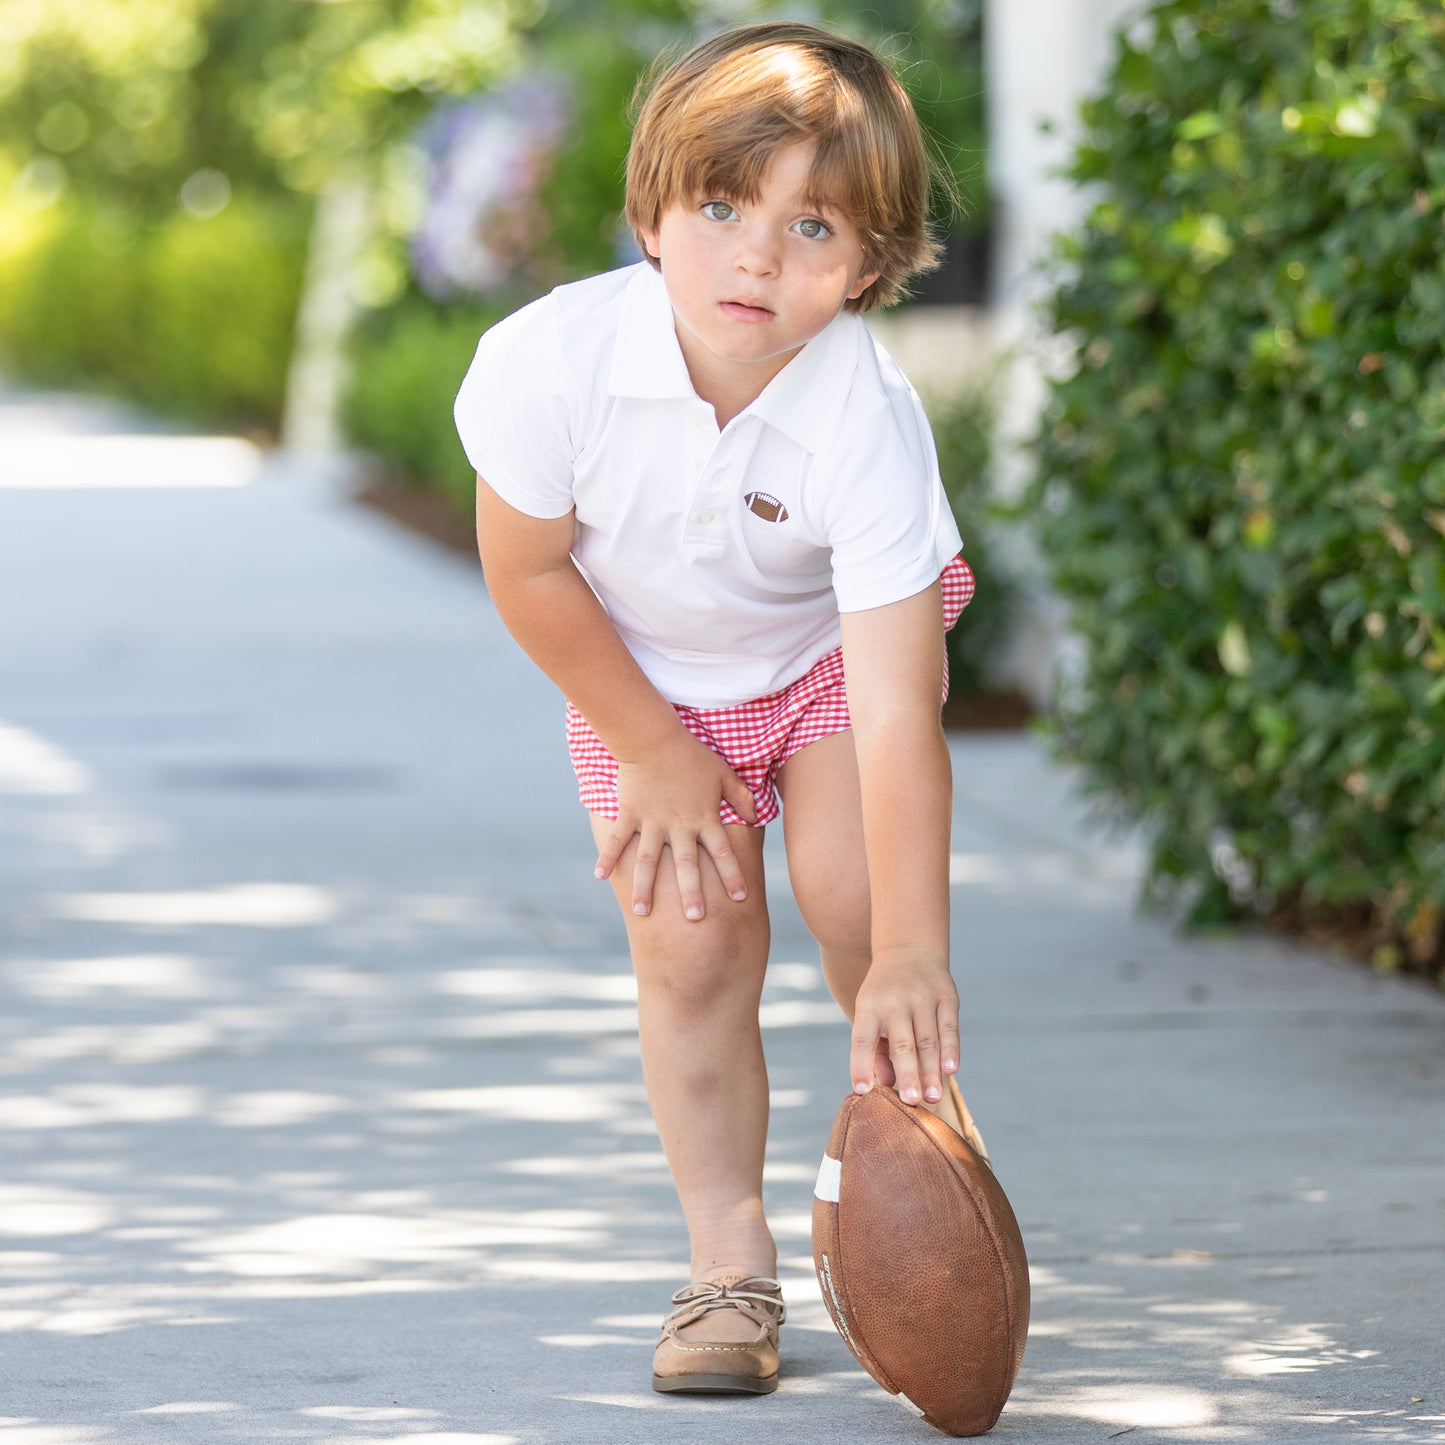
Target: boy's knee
699 967
840 919
843 930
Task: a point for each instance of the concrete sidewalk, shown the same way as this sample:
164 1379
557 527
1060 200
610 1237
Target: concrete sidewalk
320 1110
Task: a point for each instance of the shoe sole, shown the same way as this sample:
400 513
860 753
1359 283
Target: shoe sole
714 1384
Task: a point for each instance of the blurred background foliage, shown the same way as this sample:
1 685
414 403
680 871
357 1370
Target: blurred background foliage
160 161
964 421
1241 483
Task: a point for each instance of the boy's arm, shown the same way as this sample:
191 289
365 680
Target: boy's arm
671 784
893 658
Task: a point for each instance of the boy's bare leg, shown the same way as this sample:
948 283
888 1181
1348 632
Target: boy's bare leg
828 868
698 986
827 863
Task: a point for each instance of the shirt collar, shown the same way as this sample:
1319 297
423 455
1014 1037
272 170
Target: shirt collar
802 401
647 360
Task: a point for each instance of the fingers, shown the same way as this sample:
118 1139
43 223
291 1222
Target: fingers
930 1052
912 1049
689 880
739 796
867 1045
657 850
687 865
883 1066
725 860
644 871
648 859
948 1040
906 1052
673 813
612 846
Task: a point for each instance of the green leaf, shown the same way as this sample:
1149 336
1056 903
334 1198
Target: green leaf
1358 116
1199 126
1233 648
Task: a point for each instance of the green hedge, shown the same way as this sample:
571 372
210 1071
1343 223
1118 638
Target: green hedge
193 317
1242 484
963 426
407 366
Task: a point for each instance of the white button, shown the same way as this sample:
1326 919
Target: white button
704 517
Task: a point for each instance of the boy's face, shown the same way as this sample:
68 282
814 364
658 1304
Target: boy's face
751 282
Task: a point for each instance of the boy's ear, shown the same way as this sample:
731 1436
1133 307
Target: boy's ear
651 242
863 283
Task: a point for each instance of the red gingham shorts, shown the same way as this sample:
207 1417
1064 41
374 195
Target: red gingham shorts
754 738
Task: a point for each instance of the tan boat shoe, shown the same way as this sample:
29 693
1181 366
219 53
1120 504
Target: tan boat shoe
722 1339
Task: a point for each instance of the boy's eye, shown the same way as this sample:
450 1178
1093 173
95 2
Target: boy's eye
814 229
718 211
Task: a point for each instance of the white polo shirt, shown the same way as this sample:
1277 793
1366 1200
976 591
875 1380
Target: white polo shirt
722 558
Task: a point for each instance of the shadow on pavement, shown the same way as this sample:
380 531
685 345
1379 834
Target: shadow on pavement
320 1109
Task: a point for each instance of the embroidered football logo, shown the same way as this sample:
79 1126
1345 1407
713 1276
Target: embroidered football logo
770 509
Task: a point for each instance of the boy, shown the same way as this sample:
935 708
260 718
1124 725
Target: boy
705 499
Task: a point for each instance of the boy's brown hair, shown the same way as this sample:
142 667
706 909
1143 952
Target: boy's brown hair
711 123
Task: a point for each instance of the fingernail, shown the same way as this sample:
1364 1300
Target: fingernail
861 1088
640 909
910 1096
598 873
694 913
740 896
932 1095
950 1066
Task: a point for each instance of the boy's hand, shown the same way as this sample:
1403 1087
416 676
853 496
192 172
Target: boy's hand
671 800
905 1028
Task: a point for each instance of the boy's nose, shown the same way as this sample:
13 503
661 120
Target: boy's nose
757 253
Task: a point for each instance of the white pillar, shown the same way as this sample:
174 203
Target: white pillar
1042 58
316 378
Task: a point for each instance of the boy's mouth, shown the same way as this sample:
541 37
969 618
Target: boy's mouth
746 309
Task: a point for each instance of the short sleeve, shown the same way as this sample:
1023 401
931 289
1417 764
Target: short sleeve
886 516
515 410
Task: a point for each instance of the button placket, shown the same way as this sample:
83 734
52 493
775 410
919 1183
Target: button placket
706 519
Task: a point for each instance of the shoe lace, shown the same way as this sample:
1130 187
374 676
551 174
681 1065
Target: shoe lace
696 1300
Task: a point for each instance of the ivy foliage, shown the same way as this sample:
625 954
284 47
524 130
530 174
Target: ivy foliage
1241 484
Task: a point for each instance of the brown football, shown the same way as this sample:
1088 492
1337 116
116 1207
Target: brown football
920 1261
